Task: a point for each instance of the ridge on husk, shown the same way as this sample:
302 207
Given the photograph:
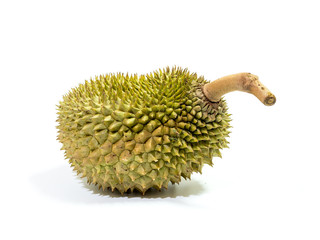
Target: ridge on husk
126 132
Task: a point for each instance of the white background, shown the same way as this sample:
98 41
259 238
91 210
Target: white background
266 186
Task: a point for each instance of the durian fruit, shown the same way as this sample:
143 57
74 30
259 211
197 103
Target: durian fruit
132 132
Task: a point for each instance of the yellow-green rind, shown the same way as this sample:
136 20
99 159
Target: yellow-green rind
139 132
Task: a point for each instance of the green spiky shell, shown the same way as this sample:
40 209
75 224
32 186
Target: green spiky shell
138 132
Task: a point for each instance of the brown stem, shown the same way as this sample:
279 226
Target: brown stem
245 82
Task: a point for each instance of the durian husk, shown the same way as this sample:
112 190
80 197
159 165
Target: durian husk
130 132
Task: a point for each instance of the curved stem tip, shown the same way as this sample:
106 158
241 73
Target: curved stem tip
245 82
